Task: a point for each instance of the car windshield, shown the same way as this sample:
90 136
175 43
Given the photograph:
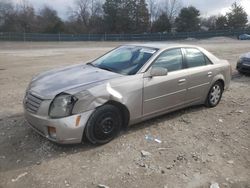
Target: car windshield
125 60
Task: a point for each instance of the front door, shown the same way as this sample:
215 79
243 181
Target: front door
165 92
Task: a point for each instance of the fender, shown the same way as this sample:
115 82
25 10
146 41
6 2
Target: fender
216 78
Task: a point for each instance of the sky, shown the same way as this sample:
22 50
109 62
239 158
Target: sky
207 7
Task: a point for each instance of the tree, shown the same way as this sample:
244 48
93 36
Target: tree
142 17
168 12
237 17
153 8
81 12
209 23
162 24
221 23
126 16
6 16
111 9
26 18
6 8
85 16
171 8
49 21
188 20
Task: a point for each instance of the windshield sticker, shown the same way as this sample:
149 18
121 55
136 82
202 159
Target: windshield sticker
145 50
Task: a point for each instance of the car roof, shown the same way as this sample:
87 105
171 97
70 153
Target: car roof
162 45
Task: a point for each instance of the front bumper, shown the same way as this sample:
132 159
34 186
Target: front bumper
68 131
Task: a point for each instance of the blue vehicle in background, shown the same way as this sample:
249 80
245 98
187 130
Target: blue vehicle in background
244 37
243 64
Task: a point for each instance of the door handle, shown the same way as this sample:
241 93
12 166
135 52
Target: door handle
182 81
210 74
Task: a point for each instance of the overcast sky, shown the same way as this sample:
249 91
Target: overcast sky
207 7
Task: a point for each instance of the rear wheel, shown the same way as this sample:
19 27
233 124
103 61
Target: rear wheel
215 94
103 125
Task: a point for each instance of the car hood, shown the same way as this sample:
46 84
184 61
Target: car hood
247 55
49 84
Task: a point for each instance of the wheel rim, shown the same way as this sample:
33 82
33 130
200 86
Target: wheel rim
215 94
106 127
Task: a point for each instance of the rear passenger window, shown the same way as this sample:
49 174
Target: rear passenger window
195 58
170 59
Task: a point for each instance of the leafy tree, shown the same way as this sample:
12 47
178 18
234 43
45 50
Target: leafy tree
221 23
111 9
162 24
248 26
141 17
237 17
126 16
188 19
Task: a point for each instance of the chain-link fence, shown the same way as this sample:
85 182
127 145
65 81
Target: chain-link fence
8 36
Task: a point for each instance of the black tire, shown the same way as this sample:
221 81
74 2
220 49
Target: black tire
212 99
103 125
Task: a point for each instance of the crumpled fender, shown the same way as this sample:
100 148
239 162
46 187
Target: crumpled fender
96 96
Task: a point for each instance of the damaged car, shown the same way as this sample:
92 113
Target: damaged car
128 85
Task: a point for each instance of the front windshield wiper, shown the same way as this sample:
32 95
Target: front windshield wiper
101 67
91 64
106 68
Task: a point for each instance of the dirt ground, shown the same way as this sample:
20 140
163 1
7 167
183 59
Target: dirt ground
200 146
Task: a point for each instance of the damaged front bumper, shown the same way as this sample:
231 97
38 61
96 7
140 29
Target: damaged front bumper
67 130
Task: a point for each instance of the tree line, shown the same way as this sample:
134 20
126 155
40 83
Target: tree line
116 16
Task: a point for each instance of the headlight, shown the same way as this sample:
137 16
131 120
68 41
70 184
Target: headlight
62 105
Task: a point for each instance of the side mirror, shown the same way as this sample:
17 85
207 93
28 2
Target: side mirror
158 71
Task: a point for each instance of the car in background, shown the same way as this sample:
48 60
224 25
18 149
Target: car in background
243 64
128 85
244 37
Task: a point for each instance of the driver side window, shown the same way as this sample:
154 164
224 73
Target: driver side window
170 59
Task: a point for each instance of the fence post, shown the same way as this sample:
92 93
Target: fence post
24 37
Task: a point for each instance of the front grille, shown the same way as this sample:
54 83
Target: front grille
32 102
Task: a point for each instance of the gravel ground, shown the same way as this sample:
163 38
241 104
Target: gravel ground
199 147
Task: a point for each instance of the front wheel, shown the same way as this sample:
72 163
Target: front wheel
103 125
215 94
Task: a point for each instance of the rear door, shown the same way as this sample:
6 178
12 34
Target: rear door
200 73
